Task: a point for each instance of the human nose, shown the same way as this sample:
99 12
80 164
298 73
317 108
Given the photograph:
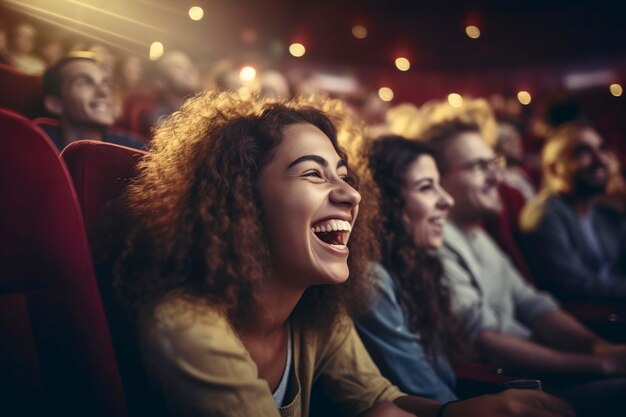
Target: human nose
493 171
103 89
600 155
344 193
445 200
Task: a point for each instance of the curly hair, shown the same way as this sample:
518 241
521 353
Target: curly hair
418 271
192 217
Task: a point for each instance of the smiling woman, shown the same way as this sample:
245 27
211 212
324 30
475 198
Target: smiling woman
238 230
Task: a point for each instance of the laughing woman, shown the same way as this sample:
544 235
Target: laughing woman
242 236
410 330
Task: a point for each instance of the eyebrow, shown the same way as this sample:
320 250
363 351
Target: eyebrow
422 180
316 158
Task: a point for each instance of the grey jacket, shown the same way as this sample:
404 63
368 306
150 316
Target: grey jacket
560 257
488 293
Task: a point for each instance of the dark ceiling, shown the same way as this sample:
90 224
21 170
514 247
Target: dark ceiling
515 33
432 35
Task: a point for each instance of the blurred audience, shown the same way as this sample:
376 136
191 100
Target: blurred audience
174 79
77 90
509 144
273 84
106 57
21 47
506 319
51 49
4 54
615 195
129 73
575 246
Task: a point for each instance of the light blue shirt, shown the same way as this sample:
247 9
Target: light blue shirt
397 351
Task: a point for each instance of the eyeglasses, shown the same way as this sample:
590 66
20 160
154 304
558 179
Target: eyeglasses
482 165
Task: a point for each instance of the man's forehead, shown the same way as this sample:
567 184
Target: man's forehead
586 137
467 146
82 67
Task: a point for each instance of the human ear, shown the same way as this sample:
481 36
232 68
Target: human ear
53 105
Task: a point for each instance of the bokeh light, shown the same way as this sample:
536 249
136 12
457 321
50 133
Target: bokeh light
524 97
403 64
297 49
616 89
455 100
472 31
196 13
156 50
385 94
247 74
359 31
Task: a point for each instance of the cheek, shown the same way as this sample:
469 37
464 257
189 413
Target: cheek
415 215
287 219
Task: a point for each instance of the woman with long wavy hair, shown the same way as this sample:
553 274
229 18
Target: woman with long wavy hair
410 329
239 241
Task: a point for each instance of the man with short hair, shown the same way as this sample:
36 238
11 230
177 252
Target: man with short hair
78 91
510 323
577 247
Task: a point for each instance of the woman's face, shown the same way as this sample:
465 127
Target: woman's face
426 203
308 208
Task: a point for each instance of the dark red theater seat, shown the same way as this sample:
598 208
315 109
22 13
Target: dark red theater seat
56 357
100 172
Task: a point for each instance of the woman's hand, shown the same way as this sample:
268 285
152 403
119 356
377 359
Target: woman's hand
511 403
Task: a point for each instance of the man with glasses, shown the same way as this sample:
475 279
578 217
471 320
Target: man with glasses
576 246
507 320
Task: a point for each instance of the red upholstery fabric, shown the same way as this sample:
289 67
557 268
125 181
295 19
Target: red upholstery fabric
46 121
100 172
504 228
136 112
52 319
20 92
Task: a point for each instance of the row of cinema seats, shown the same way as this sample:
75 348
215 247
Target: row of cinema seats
56 353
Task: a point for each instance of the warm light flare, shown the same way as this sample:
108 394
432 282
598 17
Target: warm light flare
455 100
616 89
359 31
385 94
403 64
196 13
297 49
156 50
247 74
524 97
472 31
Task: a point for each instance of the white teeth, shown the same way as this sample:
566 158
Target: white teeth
333 226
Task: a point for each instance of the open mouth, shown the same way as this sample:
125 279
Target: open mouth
437 221
333 232
101 106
